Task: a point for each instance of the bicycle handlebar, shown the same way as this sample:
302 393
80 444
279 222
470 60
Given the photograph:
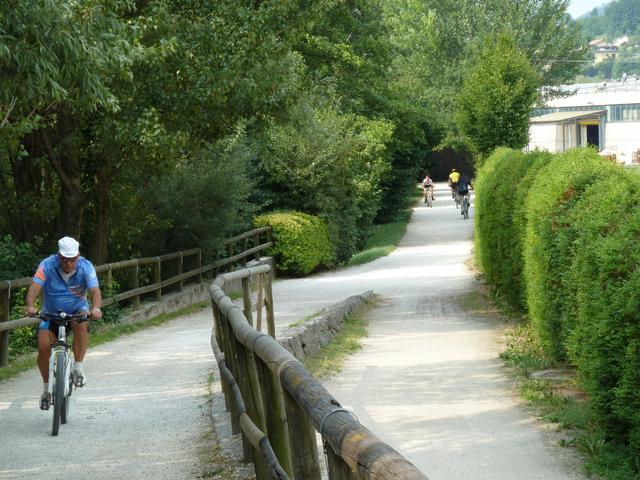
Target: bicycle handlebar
63 317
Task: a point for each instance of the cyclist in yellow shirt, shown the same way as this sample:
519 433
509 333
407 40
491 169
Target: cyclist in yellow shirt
454 177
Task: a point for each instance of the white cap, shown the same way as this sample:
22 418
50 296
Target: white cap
68 247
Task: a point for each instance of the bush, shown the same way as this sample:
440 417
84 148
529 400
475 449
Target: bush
581 275
301 241
605 343
502 185
17 260
551 207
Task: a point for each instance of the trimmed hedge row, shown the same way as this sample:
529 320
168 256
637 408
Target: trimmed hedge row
559 236
301 241
502 186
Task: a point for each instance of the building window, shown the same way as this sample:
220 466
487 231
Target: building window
625 113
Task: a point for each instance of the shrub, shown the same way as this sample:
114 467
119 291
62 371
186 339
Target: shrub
502 185
605 342
301 241
549 244
17 259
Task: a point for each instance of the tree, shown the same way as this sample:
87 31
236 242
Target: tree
497 96
57 59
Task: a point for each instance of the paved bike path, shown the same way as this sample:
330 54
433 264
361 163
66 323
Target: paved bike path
428 380
142 415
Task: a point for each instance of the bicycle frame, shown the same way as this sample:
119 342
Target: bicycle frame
60 346
61 364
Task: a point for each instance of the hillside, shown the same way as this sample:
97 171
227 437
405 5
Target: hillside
619 19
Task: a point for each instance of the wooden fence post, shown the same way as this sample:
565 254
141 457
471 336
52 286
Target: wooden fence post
275 416
304 451
199 264
259 301
180 271
157 277
229 255
5 308
256 242
271 323
135 283
338 468
245 247
246 299
231 362
109 276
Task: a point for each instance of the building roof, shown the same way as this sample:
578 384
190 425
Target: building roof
561 117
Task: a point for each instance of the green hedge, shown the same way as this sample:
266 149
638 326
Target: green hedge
551 207
502 187
605 344
301 241
581 264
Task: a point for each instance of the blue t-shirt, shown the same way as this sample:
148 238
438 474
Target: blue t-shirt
69 295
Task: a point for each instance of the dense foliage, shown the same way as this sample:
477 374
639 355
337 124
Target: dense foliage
620 17
146 127
579 255
501 189
496 98
301 241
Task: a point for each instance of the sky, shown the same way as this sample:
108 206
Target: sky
580 7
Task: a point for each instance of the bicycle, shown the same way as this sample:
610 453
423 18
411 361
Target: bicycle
61 371
428 197
457 198
464 206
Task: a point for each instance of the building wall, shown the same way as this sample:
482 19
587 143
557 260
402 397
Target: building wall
622 137
545 137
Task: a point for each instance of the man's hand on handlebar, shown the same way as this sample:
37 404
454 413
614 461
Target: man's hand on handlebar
95 313
30 311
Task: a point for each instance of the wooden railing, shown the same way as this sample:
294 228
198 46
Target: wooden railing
238 249
278 406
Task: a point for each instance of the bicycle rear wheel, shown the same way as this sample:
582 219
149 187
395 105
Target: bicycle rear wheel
58 392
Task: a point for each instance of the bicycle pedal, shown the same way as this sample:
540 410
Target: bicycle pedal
45 403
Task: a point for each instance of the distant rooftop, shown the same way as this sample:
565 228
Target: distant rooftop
601 93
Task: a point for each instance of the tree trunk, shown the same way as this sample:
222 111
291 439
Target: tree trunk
98 247
32 189
65 157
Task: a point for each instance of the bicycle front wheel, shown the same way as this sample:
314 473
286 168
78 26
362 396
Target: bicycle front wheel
64 412
58 392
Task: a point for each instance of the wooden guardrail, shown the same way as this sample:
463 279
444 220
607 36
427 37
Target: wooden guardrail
278 406
239 249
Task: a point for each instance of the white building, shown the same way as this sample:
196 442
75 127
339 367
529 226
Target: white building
606 116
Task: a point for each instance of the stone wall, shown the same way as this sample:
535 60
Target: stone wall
306 339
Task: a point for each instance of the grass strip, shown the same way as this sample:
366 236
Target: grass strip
384 239
331 358
102 334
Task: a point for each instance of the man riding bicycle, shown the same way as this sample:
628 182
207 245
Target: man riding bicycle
65 278
463 185
454 177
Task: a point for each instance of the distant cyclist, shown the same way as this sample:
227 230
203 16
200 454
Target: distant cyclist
427 183
454 177
463 186
65 277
